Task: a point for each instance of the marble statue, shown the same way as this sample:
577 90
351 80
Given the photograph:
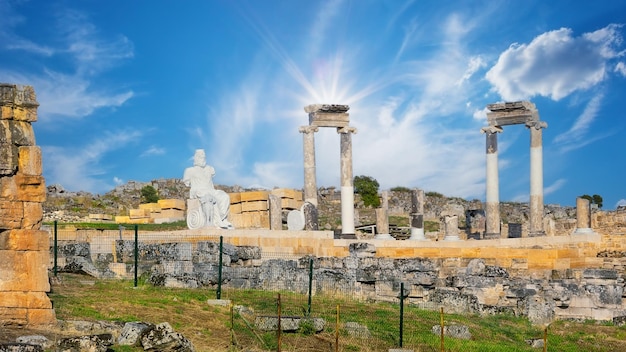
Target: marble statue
213 204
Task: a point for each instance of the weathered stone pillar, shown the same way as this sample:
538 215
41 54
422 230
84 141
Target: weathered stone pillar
492 201
583 216
347 181
276 212
382 225
535 226
310 182
24 248
451 228
417 215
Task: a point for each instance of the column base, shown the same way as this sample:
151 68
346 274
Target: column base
492 236
452 238
537 234
384 236
417 234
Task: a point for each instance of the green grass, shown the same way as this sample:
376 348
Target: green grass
209 326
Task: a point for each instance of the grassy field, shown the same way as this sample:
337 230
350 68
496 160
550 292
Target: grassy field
218 328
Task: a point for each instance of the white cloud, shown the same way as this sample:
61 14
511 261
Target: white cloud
153 150
576 137
558 184
79 168
118 181
621 68
621 203
555 64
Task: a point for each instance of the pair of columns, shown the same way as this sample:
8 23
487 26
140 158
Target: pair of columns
347 182
492 206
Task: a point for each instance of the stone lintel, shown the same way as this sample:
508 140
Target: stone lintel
328 115
326 108
513 113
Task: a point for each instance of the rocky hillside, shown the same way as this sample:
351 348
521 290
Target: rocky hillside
67 206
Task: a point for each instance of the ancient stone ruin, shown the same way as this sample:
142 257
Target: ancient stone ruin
24 248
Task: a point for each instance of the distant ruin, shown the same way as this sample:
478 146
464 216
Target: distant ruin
24 248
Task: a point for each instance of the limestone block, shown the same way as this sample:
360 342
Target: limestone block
13 316
249 220
33 215
172 213
24 270
259 205
172 204
30 188
13 299
151 207
138 213
235 198
39 317
122 219
329 119
29 160
11 214
288 193
252 196
235 208
24 240
19 113
8 155
21 132
287 203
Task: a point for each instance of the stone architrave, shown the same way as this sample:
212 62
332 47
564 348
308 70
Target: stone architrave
492 201
417 215
583 216
24 248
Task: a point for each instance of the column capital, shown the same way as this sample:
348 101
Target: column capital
346 130
491 129
537 124
308 129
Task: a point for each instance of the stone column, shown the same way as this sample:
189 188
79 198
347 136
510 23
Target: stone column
535 227
583 216
276 212
492 201
310 182
382 225
24 247
417 215
451 228
347 181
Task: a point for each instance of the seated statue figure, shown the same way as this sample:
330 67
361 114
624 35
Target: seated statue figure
214 203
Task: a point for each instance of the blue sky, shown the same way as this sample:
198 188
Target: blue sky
129 89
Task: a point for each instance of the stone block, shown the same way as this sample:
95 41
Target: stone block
138 213
31 300
11 214
288 193
286 203
172 213
30 188
151 207
33 215
171 204
24 270
40 317
252 196
259 219
259 205
329 119
122 219
22 133
24 240
234 198
29 160
13 316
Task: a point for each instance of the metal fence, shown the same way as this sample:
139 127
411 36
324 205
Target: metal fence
301 304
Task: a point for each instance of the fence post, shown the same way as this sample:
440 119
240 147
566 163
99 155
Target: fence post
545 339
337 331
278 332
401 312
219 269
55 248
310 285
442 326
136 251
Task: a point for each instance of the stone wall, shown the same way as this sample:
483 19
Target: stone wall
23 246
576 276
